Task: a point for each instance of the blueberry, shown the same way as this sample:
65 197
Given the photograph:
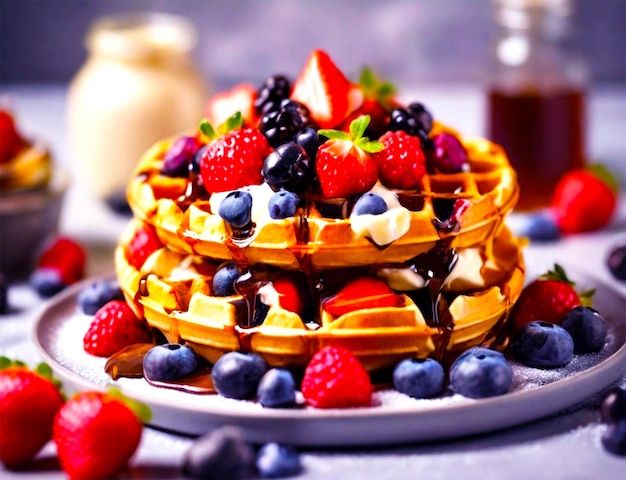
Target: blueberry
419 378
277 389
587 328
171 361
287 167
236 208
237 375
224 279
283 204
275 460
613 405
540 226
47 281
371 204
194 166
221 454
614 438
177 159
542 345
617 262
91 298
480 373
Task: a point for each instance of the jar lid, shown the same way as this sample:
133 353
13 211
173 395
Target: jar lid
141 35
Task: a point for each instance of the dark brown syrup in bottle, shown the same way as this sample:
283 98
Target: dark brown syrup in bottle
543 136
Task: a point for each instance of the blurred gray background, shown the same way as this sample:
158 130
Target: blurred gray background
411 41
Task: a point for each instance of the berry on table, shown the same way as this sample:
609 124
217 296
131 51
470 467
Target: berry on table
419 378
542 345
275 460
97 294
236 209
287 167
334 378
224 279
171 361
613 405
61 264
221 454
277 389
47 281
587 328
539 227
97 433
114 327
283 204
29 401
401 164
617 262
370 204
480 373
614 438
237 375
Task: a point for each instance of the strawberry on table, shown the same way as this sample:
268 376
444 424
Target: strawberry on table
549 298
334 378
402 163
114 327
97 433
29 400
234 157
364 292
344 164
324 89
584 200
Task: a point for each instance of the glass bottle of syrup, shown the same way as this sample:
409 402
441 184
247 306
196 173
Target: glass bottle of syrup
537 91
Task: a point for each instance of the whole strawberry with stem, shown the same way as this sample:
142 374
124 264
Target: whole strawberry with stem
584 199
29 401
344 164
114 326
549 298
234 157
97 433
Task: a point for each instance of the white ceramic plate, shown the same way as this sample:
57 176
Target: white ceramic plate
395 418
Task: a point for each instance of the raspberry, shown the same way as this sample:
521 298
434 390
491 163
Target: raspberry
402 163
334 378
114 327
144 243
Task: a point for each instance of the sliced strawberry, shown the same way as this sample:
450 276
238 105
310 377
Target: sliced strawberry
289 295
224 105
343 164
364 292
324 89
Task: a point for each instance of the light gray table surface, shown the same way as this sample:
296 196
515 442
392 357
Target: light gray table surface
566 445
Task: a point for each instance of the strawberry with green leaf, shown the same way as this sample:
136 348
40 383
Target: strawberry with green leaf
29 401
344 164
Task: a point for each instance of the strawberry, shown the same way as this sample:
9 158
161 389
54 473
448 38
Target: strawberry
549 298
224 105
343 163
97 433
583 200
364 292
234 157
67 256
29 400
10 139
324 89
289 294
334 378
143 244
114 327
402 164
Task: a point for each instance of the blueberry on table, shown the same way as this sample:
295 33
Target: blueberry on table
480 373
277 389
371 204
283 204
171 361
224 279
587 328
236 208
419 378
237 375
613 405
277 461
540 227
97 294
617 262
614 438
542 345
221 454
47 281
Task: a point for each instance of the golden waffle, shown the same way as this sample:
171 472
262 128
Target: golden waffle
188 224
172 292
